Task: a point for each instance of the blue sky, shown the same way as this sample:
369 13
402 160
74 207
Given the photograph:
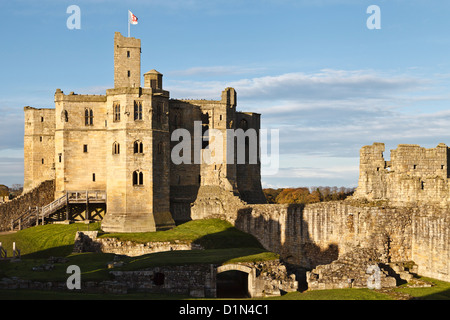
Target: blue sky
311 68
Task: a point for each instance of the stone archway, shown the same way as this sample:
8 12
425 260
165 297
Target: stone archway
251 275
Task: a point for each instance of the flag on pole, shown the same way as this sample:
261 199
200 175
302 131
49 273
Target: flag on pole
132 18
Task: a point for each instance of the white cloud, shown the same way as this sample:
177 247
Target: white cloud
215 71
325 84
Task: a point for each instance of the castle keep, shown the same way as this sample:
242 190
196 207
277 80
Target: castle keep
118 146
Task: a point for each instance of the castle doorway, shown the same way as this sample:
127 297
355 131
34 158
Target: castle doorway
232 284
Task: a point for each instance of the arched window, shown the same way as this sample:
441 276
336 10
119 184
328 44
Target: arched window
116 148
138 147
138 178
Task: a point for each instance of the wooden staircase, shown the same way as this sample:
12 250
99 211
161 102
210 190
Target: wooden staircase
36 214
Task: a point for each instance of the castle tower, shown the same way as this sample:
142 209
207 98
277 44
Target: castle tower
153 79
138 137
127 61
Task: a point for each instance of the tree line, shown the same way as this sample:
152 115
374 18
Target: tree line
305 195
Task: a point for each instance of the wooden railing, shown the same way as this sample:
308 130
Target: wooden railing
27 219
86 195
33 215
53 206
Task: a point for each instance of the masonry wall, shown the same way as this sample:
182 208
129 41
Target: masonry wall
80 145
318 234
431 242
414 175
39 196
219 184
39 146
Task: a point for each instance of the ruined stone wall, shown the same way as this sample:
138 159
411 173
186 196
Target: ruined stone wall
414 175
191 182
431 242
320 233
87 241
248 174
39 196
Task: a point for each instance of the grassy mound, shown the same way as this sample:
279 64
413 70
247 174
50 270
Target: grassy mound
210 234
222 242
45 241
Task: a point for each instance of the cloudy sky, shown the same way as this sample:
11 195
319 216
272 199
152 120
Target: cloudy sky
313 69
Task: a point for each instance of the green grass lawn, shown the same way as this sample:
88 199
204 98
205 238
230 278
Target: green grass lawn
45 241
439 291
211 234
222 242
335 294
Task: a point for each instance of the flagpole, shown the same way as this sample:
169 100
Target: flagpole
128 23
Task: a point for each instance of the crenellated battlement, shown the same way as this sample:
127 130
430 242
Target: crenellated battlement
414 174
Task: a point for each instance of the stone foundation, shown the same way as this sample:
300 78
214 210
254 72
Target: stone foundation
87 241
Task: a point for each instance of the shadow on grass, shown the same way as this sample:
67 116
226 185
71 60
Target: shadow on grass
440 295
229 238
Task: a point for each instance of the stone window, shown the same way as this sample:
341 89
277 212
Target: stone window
40 139
415 167
158 279
59 157
138 147
93 177
138 110
129 73
85 148
64 116
243 124
42 119
128 53
138 178
42 160
205 130
160 148
116 109
159 112
116 148
88 117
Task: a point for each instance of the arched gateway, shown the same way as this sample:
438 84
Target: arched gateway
251 275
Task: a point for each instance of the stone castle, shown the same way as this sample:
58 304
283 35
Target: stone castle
119 145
